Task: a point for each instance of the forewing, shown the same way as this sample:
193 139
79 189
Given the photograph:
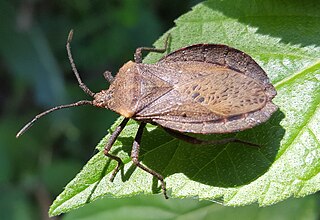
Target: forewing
222 55
215 89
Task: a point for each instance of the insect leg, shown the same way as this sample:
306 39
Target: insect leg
194 140
138 53
135 159
110 143
108 76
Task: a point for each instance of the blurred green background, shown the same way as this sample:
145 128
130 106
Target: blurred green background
35 75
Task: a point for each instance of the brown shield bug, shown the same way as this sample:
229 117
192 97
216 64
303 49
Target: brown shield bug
202 88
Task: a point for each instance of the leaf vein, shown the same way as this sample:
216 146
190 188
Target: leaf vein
295 75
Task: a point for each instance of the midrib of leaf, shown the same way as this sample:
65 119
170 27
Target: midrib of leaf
302 73
287 55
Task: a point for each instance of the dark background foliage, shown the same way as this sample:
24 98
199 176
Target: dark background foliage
35 75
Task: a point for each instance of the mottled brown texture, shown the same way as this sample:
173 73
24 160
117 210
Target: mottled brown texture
203 88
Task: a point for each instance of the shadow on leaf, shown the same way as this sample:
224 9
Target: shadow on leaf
227 165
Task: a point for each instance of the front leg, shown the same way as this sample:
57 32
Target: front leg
110 143
135 159
138 53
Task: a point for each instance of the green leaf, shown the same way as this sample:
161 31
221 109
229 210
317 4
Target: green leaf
283 38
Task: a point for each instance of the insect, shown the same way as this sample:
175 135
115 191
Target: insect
202 88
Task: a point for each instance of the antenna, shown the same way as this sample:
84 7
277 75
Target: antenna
74 68
79 103
29 124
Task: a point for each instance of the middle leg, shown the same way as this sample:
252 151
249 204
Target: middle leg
135 159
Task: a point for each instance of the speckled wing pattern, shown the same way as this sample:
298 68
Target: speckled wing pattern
209 89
